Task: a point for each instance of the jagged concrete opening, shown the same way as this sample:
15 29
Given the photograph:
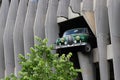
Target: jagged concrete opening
78 22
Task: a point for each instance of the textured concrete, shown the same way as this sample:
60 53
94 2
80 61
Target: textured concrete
75 6
39 28
8 38
3 16
63 8
86 65
28 34
114 22
51 26
18 33
102 30
87 5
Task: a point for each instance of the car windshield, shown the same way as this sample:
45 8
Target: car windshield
74 31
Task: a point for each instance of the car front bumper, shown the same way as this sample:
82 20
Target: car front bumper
73 45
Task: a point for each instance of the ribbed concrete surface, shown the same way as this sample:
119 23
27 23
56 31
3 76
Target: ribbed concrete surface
51 26
3 16
8 38
41 20
18 33
86 64
28 35
114 22
103 39
39 24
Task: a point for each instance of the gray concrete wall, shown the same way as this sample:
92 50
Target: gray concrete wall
86 65
8 38
18 33
39 24
63 8
3 16
28 34
87 5
114 22
41 20
76 6
51 26
103 39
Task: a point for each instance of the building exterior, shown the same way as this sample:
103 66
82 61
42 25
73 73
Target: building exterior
21 20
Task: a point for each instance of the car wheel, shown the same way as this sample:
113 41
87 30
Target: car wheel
87 48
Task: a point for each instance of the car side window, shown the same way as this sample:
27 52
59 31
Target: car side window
87 31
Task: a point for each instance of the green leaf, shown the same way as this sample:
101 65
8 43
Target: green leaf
42 64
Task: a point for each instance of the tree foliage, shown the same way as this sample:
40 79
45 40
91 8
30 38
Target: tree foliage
42 64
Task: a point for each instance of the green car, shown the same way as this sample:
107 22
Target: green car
74 37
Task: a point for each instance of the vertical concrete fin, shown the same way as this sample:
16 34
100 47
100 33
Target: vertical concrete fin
39 24
86 65
51 26
3 17
114 22
8 38
102 30
18 33
28 34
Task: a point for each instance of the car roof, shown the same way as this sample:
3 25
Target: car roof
74 29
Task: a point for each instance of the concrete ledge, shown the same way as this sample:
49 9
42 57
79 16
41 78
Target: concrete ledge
95 55
61 19
109 52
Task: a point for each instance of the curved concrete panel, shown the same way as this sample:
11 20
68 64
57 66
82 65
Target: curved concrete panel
8 38
3 17
86 64
39 24
51 26
102 30
28 34
18 33
114 22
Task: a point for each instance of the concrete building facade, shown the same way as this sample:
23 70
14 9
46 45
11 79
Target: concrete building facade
21 20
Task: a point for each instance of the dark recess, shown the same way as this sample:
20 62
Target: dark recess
111 70
78 22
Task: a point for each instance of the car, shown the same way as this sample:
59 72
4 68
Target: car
74 37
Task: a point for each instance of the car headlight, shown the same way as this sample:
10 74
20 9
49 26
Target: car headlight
77 38
62 40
